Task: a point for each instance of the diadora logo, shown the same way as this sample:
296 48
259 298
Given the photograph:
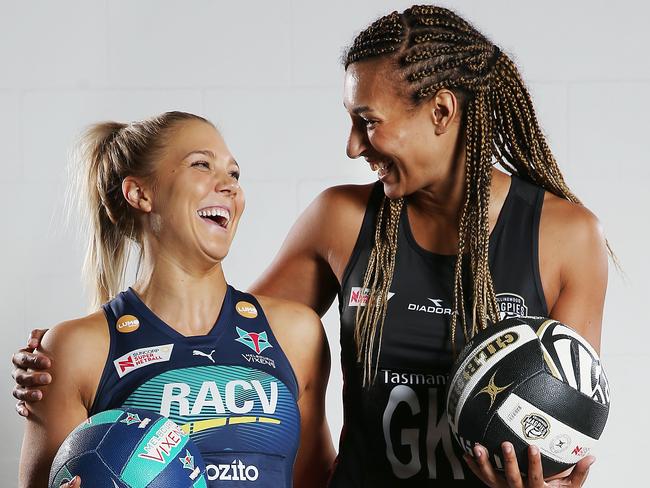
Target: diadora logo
246 309
257 341
142 357
201 353
188 463
161 445
359 296
127 323
436 307
235 471
511 305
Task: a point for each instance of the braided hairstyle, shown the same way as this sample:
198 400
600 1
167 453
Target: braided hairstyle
430 48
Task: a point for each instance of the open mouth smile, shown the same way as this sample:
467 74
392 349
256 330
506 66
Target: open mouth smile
215 216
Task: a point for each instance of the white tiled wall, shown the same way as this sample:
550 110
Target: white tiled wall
268 74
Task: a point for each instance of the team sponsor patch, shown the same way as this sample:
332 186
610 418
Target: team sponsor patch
246 309
359 296
142 357
511 305
235 471
127 323
162 444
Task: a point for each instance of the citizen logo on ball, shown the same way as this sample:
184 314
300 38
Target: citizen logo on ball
534 427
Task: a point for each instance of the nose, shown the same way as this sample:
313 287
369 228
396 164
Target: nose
227 185
357 142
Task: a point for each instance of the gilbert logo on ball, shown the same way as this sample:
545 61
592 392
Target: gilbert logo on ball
529 381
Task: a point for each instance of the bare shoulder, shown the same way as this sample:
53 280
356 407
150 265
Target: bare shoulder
78 349
570 223
292 319
300 333
89 331
345 196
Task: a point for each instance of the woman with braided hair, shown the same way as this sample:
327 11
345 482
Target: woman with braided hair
444 244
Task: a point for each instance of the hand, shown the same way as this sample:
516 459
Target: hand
481 467
27 373
73 483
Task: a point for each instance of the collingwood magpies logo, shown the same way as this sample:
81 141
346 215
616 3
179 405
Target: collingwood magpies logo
511 305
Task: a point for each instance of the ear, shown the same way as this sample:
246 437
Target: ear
444 110
136 194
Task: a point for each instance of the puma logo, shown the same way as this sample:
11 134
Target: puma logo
199 353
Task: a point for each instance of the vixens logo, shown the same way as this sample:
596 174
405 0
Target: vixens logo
257 341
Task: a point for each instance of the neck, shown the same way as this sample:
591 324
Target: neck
443 197
188 299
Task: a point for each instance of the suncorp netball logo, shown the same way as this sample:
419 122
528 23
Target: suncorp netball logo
142 357
257 341
511 305
246 309
127 323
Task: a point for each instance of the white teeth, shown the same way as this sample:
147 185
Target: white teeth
215 212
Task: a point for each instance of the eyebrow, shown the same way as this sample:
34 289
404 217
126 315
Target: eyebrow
210 154
361 109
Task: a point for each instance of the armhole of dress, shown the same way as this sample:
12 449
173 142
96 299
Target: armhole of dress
295 390
539 203
364 236
103 380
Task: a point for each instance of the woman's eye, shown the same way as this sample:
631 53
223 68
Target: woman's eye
370 124
235 174
201 164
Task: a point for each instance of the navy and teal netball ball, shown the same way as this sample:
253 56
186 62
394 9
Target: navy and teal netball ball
129 448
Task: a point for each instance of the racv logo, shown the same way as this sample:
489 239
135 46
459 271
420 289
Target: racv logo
257 341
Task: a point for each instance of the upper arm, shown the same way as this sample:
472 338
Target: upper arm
307 350
577 242
309 265
64 405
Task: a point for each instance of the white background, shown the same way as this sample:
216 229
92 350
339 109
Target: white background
268 74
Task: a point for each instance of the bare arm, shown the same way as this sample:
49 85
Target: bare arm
310 264
65 402
573 255
303 340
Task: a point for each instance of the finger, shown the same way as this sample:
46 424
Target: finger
73 483
28 379
511 467
535 472
483 467
27 394
22 409
25 359
579 474
35 336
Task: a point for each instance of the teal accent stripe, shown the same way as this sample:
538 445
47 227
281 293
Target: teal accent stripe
200 482
64 475
106 417
141 471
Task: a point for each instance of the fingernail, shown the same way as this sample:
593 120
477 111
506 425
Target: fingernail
507 448
35 395
22 411
44 378
32 344
534 451
477 450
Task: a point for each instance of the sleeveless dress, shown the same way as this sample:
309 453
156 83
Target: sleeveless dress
233 389
395 432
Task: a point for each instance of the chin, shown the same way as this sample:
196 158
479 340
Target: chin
393 191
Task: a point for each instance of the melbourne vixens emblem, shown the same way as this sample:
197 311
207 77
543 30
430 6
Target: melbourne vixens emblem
257 341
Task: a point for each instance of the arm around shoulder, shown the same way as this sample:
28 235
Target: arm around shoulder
75 348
